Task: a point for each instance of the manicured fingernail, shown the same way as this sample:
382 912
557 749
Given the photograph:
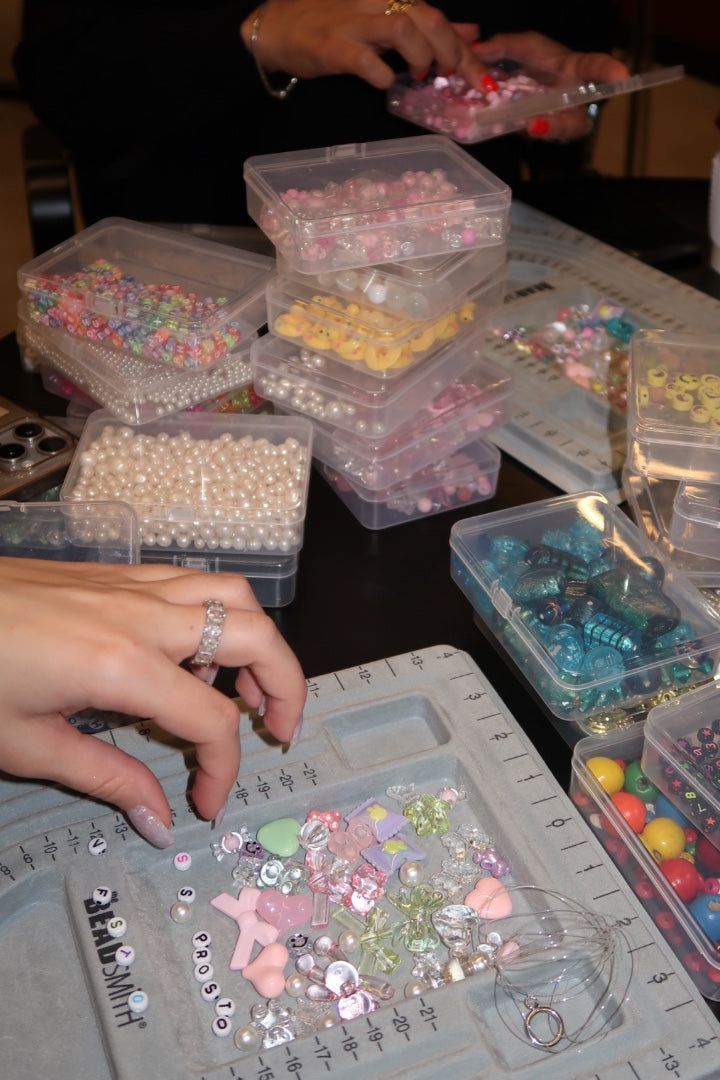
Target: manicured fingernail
207 673
262 707
219 817
422 75
538 126
149 825
296 734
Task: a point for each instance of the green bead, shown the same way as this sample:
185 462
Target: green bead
637 783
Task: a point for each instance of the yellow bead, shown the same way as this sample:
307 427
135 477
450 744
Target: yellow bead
664 838
609 775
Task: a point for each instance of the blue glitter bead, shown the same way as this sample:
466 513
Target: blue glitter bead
565 646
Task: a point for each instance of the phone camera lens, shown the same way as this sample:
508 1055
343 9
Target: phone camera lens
28 430
52 444
11 451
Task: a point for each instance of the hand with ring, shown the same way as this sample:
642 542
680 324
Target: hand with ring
113 637
536 50
309 38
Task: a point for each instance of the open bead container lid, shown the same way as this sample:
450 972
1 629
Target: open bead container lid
363 337
80 532
201 481
599 624
511 94
326 390
681 755
371 203
695 525
157 292
130 387
469 406
417 289
674 407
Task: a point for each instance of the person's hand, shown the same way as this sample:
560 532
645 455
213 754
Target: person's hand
309 38
80 635
536 50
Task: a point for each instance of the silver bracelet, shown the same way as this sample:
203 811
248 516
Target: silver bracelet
279 94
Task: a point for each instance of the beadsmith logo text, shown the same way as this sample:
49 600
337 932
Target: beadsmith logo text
118 984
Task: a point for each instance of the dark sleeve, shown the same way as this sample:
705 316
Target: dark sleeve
108 71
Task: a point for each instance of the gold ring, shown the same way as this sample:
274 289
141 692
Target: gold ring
399 7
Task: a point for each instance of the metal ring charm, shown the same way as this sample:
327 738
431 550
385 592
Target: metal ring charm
531 1003
398 7
215 616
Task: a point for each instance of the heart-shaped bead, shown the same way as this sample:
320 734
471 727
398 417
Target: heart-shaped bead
490 899
280 837
284 911
267 971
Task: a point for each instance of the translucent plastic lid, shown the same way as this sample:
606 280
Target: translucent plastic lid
512 93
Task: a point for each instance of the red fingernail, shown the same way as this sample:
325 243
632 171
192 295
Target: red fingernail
538 126
422 75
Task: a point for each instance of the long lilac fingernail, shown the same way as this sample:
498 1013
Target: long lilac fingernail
262 707
149 825
219 817
296 733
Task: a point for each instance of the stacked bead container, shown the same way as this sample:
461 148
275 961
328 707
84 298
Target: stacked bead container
364 348
671 867
215 492
147 321
673 460
598 624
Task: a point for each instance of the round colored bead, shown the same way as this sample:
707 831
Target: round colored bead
609 775
664 838
638 783
632 808
705 910
708 856
138 1001
683 876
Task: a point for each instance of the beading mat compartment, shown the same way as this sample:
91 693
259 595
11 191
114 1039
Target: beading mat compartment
461 479
673 414
82 532
201 482
695 525
684 925
468 407
600 626
511 94
681 756
155 292
431 719
371 203
368 339
130 387
652 507
416 289
317 386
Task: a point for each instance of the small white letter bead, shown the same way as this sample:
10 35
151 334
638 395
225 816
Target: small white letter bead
201 939
225 1006
97 846
102 895
124 955
186 894
210 990
203 972
138 1001
221 1027
182 861
117 927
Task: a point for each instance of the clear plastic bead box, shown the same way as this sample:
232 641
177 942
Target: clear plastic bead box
130 387
512 93
82 532
155 292
468 407
673 418
652 504
463 478
670 915
416 289
371 203
326 390
366 338
229 485
681 756
597 622
695 525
